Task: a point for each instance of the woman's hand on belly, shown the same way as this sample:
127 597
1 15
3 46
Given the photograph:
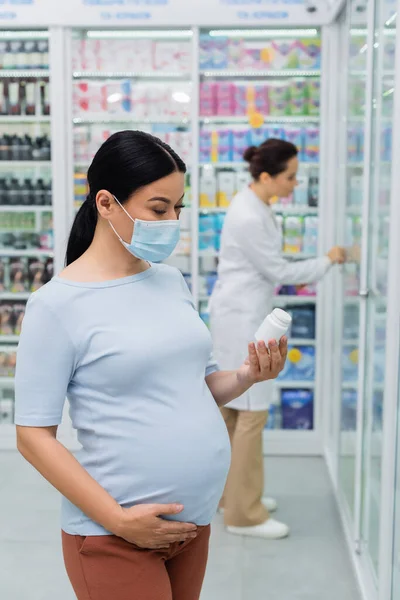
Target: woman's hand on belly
144 526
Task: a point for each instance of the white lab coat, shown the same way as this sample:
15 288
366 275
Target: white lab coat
251 265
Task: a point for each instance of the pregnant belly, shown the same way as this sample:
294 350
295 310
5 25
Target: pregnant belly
183 461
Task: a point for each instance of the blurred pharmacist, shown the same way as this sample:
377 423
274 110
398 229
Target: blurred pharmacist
117 333
251 265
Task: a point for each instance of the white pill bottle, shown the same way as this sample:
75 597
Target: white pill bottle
274 326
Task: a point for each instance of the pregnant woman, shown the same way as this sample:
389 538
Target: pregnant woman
118 334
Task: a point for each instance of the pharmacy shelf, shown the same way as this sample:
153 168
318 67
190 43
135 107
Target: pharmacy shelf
10 164
215 73
7 382
25 209
10 119
294 385
9 339
356 211
31 252
14 296
279 301
302 342
363 73
298 255
294 300
280 210
131 75
353 385
292 255
243 165
360 164
267 119
128 119
24 73
292 209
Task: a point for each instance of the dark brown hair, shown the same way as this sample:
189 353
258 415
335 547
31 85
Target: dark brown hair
270 157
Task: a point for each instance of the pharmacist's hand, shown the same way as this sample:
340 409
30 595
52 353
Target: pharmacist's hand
337 255
262 365
143 526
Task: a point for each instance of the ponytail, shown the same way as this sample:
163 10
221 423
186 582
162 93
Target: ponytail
82 231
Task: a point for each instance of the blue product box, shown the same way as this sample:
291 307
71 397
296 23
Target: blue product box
126 89
297 409
303 322
295 135
219 53
206 60
206 232
278 133
258 136
300 364
350 364
205 146
225 145
240 143
219 220
211 280
311 144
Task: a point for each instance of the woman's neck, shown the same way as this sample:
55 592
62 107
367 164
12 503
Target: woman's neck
260 192
105 259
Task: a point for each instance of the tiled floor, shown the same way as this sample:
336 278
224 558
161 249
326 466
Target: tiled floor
312 564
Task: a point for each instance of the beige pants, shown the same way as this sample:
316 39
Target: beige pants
245 485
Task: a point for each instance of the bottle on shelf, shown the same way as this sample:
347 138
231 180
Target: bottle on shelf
14 98
3 98
43 48
36 59
45 97
313 191
20 55
48 194
30 98
40 193
15 193
4 193
45 148
27 193
4 147
26 148
29 56
15 148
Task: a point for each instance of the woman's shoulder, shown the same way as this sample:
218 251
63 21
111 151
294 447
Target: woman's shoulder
52 297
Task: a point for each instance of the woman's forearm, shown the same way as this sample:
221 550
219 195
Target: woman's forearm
226 386
42 450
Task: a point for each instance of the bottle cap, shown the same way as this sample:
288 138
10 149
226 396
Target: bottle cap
282 317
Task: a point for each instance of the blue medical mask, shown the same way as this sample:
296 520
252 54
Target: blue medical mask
153 241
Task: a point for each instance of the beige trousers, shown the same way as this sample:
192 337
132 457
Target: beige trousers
245 485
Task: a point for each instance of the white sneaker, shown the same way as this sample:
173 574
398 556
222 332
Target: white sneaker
270 504
270 530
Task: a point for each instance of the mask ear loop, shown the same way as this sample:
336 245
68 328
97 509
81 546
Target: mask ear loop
124 209
112 226
116 232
